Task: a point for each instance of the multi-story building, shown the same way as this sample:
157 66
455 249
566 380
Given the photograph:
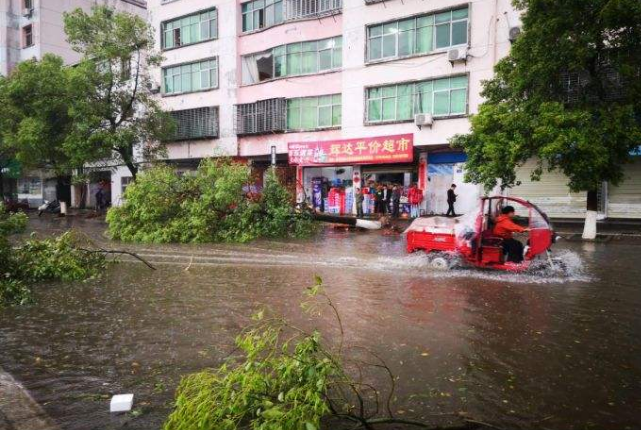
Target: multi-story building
30 29
340 93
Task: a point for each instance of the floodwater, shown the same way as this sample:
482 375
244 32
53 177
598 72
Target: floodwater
516 351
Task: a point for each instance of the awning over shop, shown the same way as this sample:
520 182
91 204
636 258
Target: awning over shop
371 150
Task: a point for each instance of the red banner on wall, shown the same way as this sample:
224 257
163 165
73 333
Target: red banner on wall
371 150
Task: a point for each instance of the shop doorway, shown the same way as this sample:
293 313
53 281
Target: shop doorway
440 178
329 189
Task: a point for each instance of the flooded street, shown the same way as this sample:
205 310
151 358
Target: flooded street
516 351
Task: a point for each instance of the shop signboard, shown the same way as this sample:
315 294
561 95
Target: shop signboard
372 150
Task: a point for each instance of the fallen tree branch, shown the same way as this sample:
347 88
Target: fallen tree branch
108 251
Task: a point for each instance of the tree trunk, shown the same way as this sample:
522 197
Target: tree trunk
133 169
589 228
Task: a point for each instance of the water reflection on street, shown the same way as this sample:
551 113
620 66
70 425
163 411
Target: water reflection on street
516 351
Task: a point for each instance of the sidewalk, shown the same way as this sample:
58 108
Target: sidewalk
18 410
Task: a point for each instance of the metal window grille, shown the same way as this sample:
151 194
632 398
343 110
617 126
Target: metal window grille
298 9
196 123
263 116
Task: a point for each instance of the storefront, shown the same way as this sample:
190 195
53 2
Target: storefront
330 172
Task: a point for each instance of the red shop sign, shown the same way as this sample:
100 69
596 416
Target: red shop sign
371 150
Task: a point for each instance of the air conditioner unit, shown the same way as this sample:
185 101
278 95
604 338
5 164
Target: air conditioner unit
154 88
457 55
514 33
423 120
26 12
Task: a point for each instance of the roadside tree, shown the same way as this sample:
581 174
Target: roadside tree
35 122
118 117
568 96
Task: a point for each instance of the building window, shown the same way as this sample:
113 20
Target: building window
263 116
199 123
30 186
259 14
190 29
124 183
27 4
440 97
417 35
309 113
27 36
188 78
303 58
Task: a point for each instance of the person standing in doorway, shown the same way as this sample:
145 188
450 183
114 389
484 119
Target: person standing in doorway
415 197
396 200
380 196
451 199
387 198
360 197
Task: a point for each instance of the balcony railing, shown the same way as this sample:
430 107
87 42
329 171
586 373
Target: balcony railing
261 117
299 9
199 123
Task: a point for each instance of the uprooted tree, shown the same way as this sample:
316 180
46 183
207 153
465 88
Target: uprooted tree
214 204
568 96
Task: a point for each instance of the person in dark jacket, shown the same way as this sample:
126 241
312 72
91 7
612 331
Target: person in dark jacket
397 191
360 197
451 199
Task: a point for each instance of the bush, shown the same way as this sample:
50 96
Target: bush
210 206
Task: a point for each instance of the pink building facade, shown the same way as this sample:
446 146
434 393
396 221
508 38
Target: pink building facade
320 71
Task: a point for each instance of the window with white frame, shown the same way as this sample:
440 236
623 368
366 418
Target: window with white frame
258 14
190 29
309 113
191 77
417 35
301 58
440 97
124 183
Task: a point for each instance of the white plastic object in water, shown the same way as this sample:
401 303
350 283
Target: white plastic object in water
121 403
370 225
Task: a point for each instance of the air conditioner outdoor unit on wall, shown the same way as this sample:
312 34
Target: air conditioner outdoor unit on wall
457 55
26 12
423 120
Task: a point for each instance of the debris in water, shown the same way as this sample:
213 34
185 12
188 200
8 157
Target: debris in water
121 403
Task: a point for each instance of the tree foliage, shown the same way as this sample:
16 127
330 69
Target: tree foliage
117 115
35 121
568 96
211 205
56 259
